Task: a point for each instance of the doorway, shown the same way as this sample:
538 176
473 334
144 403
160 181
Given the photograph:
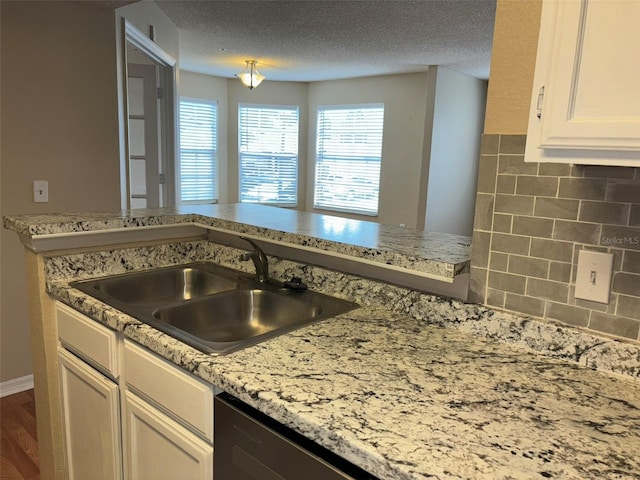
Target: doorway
150 107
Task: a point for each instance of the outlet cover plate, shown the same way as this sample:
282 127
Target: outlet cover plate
593 277
40 191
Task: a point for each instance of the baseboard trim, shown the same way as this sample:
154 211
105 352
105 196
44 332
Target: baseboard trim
16 385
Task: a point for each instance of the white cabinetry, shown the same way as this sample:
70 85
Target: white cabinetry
586 92
91 417
159 448
88 369
168 424
164 429
186 398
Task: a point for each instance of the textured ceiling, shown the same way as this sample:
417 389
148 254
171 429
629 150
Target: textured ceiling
308 40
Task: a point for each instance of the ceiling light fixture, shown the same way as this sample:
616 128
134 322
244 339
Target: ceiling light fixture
250 78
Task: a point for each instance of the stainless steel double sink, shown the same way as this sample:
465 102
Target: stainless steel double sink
215 309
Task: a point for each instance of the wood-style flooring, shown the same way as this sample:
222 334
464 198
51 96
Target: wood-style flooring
18 437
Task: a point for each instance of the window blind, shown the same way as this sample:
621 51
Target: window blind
268 154
198 152
348 158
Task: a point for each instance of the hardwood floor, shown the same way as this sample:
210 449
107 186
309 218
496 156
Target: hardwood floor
18 438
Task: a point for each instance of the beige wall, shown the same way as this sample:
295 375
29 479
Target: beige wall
58 70
59 123
515 42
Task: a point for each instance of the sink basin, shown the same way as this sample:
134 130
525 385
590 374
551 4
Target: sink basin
237 315
215 309
229 321
161 286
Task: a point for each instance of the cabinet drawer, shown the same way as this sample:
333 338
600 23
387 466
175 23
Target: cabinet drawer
93 342
181 395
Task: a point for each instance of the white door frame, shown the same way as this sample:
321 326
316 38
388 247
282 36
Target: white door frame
168 120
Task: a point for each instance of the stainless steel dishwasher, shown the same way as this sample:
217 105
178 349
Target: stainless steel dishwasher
249 445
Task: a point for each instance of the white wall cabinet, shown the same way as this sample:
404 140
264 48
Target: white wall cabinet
585 105
165 426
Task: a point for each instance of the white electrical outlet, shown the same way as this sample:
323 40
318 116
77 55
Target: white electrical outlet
40 191
593 278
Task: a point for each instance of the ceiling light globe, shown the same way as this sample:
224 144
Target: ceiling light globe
250 78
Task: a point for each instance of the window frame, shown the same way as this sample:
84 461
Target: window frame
317 161
295 177
215 153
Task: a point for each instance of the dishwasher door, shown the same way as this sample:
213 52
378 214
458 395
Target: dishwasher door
248 445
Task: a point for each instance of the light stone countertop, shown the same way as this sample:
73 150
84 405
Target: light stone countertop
407 400
410 386
438 254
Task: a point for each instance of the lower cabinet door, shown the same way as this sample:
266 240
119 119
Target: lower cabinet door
91 416
157 447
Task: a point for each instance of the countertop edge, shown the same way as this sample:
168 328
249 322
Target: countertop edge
441 255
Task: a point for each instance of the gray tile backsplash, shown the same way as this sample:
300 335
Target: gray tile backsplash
532 220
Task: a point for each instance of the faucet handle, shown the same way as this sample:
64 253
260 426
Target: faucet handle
295 283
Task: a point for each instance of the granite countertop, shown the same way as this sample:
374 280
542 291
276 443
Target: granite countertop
408 387
439 254
407 400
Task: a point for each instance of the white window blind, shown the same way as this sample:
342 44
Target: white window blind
268 154
348 157
198 152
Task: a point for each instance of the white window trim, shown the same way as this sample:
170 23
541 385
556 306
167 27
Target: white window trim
357 211
216 151
294 177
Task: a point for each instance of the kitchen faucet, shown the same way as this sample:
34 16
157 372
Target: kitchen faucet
259 260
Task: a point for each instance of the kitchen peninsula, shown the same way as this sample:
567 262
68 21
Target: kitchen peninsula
367 247
401 386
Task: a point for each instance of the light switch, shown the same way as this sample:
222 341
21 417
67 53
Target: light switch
593 278
40 191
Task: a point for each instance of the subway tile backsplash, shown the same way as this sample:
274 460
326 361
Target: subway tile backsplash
532 220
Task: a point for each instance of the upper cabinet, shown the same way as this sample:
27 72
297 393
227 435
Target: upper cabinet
585 106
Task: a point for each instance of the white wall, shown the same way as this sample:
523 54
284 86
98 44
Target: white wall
229 93
268 93
433 123
458 116
404 98
405 101
214 89
145 14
